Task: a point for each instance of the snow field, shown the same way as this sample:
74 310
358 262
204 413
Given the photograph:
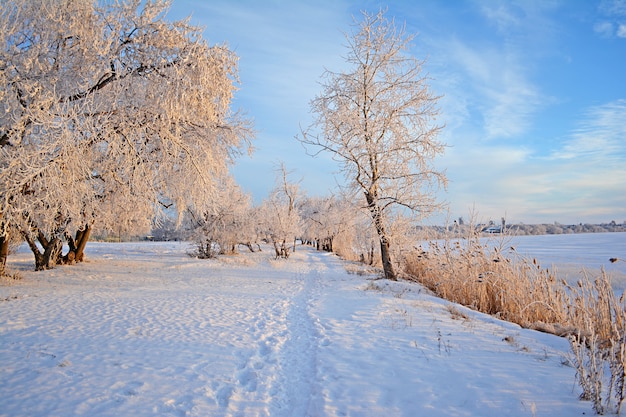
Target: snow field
142 329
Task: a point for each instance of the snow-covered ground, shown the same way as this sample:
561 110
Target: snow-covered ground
141 329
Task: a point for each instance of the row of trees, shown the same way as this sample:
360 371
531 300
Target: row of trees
111 116
557 228
378 121
287 216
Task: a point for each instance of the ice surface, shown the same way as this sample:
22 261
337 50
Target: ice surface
570 254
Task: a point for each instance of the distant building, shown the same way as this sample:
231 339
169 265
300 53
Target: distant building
492 229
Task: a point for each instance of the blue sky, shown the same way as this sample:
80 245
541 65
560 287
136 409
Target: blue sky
534 96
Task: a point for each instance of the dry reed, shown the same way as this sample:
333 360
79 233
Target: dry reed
471 273
497 281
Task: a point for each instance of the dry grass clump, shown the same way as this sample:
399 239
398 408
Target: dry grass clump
483 277
9 277
599 346
361 269
471 273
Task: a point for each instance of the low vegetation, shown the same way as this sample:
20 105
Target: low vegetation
495 280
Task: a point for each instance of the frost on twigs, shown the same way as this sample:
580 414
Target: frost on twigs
280 222
221 225
109 115
378 120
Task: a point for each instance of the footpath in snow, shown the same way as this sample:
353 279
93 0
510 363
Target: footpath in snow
141 329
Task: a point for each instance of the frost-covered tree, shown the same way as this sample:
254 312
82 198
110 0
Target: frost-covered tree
108 113
326 218
378 121
280 218
224 222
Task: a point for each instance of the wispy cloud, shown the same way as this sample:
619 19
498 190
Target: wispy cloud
494 72
613 7
495 84
604 29
601 134
506 16
583 179
609 29
280 53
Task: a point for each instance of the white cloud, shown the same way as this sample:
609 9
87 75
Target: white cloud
604 28
613 11
494 73
582 181
613 7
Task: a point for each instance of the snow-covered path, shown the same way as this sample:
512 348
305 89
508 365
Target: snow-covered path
143 330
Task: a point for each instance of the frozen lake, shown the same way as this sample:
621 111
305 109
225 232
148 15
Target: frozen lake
571 253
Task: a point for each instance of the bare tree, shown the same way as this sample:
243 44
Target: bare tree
378 121
108 112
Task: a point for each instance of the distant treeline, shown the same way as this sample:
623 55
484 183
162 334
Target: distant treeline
558 229
521 229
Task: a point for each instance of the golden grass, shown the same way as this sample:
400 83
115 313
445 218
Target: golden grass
497 281
470 273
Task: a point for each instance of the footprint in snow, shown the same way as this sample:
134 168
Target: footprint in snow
223 394
248 379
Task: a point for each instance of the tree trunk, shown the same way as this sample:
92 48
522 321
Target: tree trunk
82 242
249 246
4 252
42 239
77 245
327 244
276 248
281 249
35 250
386 258
385 253
52 254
